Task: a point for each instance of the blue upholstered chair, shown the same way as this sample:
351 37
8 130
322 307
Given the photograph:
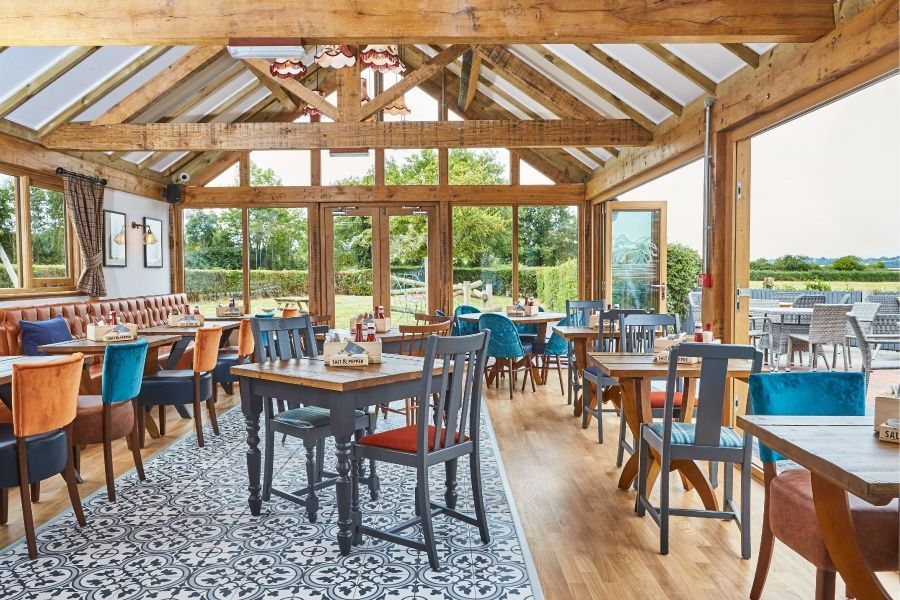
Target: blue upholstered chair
555 348
113 414
461 327
705 439
222 373
506 349
789 513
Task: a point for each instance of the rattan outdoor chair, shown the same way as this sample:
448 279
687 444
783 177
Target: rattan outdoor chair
828 326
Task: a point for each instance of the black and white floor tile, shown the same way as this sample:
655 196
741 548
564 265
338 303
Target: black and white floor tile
186 532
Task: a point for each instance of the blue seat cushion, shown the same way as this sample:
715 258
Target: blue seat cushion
47 454
683 435
222 372
308 417
175 386
38 333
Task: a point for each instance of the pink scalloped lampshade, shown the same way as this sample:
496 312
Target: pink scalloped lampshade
382 57
288 68
336 56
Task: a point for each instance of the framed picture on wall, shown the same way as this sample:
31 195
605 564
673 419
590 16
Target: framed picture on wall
114 246
153 254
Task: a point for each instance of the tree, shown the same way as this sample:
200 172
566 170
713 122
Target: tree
760 264
847 263
682 267
789 262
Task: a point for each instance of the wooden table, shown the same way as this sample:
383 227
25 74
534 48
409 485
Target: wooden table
580 335
186 336
842 455
92 348
539 320
298 300
341 390
6 364
634 373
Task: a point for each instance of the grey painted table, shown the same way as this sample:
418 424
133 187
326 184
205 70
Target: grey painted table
341 390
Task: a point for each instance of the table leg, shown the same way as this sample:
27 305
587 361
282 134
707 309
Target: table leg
251 406
580 348
839 535
541 337
342 428
177 351
151 366
632 392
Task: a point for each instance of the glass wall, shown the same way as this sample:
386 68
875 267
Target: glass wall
279 167
548 254
482 255
279 257
489 166
212 257
9 242
48 234
408 248
353 293
230 177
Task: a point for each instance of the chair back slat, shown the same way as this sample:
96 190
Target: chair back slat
414 337
284 339
578 312
456 389
637 331
711 393
612 320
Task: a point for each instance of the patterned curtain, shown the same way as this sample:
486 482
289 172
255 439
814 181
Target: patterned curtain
84 202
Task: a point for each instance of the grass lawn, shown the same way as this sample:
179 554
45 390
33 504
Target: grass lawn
866 287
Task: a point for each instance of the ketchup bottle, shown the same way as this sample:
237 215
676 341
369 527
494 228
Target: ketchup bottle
113 318
371 337
359 333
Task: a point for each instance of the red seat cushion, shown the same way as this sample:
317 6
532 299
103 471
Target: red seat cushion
792 516
658 399
403 439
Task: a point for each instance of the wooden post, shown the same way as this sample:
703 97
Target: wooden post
245 254
24 214
315 164
244 169
349 88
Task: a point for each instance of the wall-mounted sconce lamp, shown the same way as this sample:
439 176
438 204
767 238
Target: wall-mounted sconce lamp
120 237
149 236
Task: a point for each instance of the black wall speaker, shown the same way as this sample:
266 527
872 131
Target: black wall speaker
174 193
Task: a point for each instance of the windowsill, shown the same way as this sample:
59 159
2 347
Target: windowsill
56 292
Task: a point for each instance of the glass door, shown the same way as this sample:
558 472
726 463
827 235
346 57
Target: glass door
409 230
634 255
352 287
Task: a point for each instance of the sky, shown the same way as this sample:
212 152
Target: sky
824 184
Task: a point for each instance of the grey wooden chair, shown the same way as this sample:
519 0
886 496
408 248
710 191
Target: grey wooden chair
292 338
592 375
578 314
453 434
705 439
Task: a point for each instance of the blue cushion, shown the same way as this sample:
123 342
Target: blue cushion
46 454
823 394
683 435
38 333
308 417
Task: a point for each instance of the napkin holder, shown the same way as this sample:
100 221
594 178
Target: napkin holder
531 310
185 320
887 407
663 344
335 350
107 333
514 311
229 311
382 325
594 321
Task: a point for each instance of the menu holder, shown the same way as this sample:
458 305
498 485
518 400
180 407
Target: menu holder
382 325
513 311
887 408
664 357
229 311
108 333
345 348
185 321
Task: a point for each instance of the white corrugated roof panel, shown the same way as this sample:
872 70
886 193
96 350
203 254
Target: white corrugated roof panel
713 60
22 65
654 71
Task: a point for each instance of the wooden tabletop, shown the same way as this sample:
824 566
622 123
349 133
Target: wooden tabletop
6 363
228 318
312 372
574 332
86 346
843 450
293 299
187 331
541 317
628 365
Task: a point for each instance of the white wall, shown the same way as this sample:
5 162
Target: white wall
133 279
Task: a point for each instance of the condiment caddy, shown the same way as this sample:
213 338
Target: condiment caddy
113 331
183 317
887 415
231 310
359 351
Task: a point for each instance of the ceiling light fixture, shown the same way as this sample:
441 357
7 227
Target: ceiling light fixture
382 57
336 56
270 48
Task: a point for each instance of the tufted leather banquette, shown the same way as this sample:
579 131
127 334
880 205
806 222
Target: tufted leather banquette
144 311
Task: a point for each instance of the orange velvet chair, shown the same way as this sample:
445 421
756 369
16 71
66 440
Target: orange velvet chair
222 373
186 386
37 443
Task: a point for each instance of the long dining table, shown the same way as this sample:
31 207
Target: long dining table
187 335
341 390
635 373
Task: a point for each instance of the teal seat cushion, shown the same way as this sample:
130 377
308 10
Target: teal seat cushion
683 435
308 417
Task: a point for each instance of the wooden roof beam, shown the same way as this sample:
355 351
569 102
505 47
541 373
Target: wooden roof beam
748 55
468 81
193 22
159 85
274 87
682 67
308 96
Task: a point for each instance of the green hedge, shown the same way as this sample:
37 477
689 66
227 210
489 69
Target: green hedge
824 275
555 285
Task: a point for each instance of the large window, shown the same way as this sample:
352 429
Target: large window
36 242
482 255
212 257
279 257
548 254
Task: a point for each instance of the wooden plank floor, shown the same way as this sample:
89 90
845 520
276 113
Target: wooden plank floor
583 534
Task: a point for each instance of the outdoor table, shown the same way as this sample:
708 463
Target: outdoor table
634 373
217 319
341 390
842 455
579 335
785 321
539 320
92 348
187 335
298 300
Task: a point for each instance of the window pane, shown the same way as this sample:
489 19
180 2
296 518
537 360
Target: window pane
48 234
227 178
409 267
352 267
478 167
9 248
548 254
279 167
279 257
212 257
410 167
482 253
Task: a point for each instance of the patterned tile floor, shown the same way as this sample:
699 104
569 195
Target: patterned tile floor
187 532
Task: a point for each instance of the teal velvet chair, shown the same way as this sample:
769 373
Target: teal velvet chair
555 348
506 349
461 327
113 414
789 513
